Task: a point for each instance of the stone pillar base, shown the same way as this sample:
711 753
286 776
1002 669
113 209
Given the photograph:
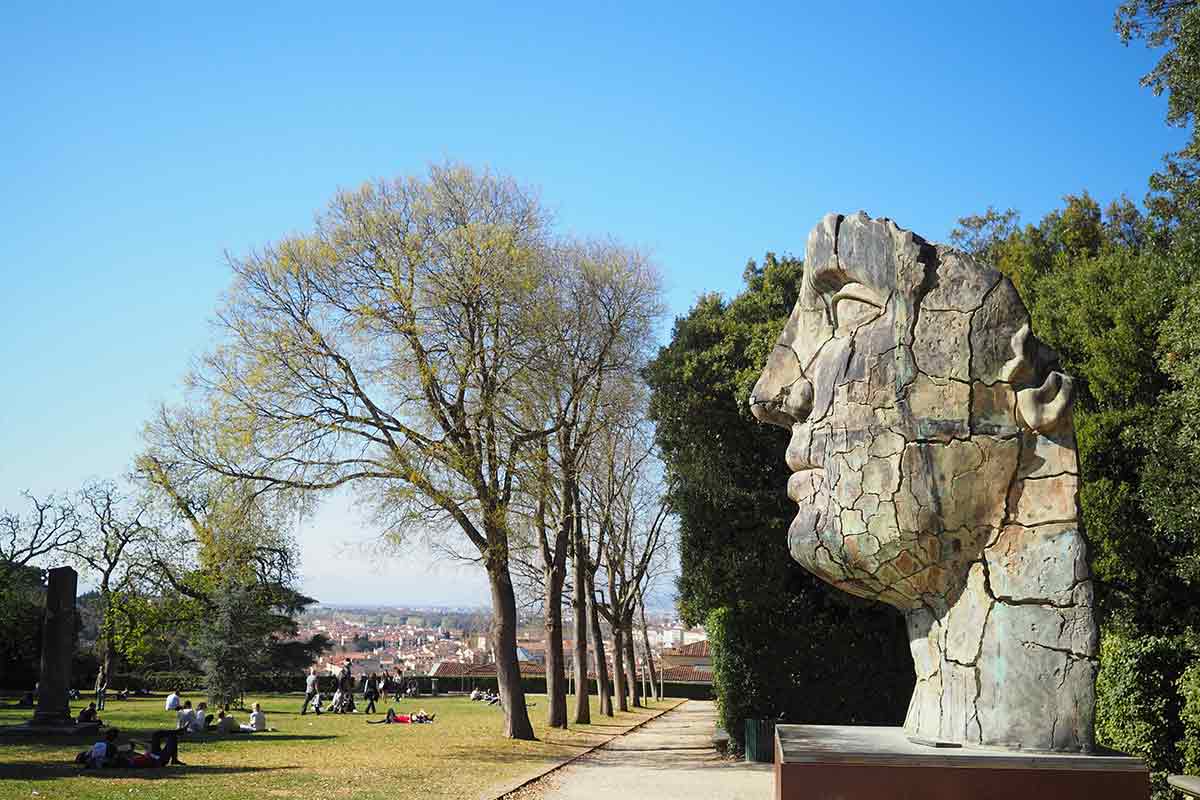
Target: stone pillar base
841 762
51 719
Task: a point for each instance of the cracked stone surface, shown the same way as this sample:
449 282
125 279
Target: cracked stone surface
933 462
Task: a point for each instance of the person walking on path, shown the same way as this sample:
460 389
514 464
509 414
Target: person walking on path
310 689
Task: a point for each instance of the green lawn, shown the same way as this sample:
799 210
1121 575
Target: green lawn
461 755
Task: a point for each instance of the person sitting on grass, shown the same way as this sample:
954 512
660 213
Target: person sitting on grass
258 721
173 701
201 720
185 716
89 715
227 724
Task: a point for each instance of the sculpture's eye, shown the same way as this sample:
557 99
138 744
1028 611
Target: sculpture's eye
853 305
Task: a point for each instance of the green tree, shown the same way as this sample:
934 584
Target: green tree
396 349
234 644
22 598
1173 26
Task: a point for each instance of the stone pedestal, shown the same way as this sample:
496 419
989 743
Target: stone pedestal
842 762
58 647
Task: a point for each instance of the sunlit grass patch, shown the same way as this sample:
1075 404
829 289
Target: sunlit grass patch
460 755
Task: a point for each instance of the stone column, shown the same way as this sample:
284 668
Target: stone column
58 647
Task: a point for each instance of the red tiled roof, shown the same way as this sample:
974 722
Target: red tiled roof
454 669
694 650
686 675
451 669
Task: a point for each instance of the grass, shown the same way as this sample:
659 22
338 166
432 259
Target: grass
461 755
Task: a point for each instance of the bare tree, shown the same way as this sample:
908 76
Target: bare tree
393 350
112 524
635 514
50 527
608 301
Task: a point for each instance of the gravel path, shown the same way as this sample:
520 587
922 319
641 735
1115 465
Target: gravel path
670 757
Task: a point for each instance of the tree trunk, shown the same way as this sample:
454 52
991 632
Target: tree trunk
619 670
649 658
556 675
635 688
598 647
106 627
508 672
583 709
554 573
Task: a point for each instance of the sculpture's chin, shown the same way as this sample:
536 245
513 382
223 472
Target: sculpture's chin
806 547
900 582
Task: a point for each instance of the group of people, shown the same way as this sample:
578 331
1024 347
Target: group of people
164 744
343 695
485 696
372 687
164 750
198 720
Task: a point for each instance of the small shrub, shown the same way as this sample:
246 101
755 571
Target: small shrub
1139 707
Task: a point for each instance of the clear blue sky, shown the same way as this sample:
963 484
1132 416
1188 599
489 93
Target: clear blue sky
138 144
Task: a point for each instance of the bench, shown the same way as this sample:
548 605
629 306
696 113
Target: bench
1187 784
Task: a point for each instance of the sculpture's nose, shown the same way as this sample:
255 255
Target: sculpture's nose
782 396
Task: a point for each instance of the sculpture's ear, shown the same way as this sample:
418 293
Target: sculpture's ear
1046 407
1041 408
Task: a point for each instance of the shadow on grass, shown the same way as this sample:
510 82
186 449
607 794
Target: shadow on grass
144 735
257 737
41 771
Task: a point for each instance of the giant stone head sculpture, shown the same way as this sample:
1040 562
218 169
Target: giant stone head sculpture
933 461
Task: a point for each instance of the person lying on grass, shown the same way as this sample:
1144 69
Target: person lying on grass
164 750
393 718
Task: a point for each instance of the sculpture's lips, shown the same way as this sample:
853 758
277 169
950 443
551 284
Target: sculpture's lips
797 456
799 485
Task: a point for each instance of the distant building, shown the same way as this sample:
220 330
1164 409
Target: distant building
695 655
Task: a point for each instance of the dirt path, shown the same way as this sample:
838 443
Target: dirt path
668 758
